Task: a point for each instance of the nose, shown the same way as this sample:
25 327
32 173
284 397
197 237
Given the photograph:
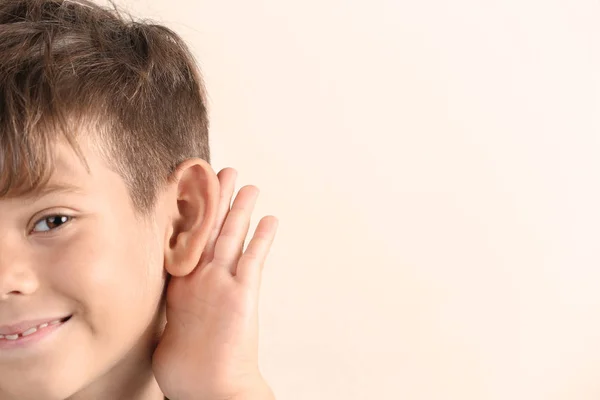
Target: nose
17 277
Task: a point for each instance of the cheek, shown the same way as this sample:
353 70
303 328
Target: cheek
106 271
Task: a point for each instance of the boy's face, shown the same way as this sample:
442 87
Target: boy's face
81 255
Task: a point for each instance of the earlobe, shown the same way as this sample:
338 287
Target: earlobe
193 217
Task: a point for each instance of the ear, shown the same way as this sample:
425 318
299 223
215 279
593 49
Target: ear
193 209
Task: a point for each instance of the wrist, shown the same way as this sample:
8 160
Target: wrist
254 389
260 390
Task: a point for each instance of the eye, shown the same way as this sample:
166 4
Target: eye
52 222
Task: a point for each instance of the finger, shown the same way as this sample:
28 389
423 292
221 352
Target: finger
227 177
251 264
230 243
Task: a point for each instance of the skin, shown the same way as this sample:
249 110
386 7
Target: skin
109 270
209 349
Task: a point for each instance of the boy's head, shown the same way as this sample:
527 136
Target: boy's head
112 111
65 65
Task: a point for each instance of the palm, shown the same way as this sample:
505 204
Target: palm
210 343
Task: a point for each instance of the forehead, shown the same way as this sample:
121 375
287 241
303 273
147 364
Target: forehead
67 172
66 162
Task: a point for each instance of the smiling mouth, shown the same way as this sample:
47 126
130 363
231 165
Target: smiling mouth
34 329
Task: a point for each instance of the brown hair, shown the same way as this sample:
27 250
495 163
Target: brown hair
66 65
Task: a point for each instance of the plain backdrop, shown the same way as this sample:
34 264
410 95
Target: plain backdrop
435 169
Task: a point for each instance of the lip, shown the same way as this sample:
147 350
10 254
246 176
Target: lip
22 326
11 348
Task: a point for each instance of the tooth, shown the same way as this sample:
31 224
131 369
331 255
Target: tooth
54 322
45 324
29 331
12 337
1 336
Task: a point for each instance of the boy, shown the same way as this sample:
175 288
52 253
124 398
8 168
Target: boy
122 270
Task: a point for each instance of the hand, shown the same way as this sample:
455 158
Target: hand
209 349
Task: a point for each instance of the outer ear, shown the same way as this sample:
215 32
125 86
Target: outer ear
193 215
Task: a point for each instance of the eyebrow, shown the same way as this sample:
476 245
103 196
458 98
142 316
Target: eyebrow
52 188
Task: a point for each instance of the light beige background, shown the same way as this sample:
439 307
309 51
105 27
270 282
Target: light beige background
435 168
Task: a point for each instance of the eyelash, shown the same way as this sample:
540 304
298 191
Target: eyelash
69 218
